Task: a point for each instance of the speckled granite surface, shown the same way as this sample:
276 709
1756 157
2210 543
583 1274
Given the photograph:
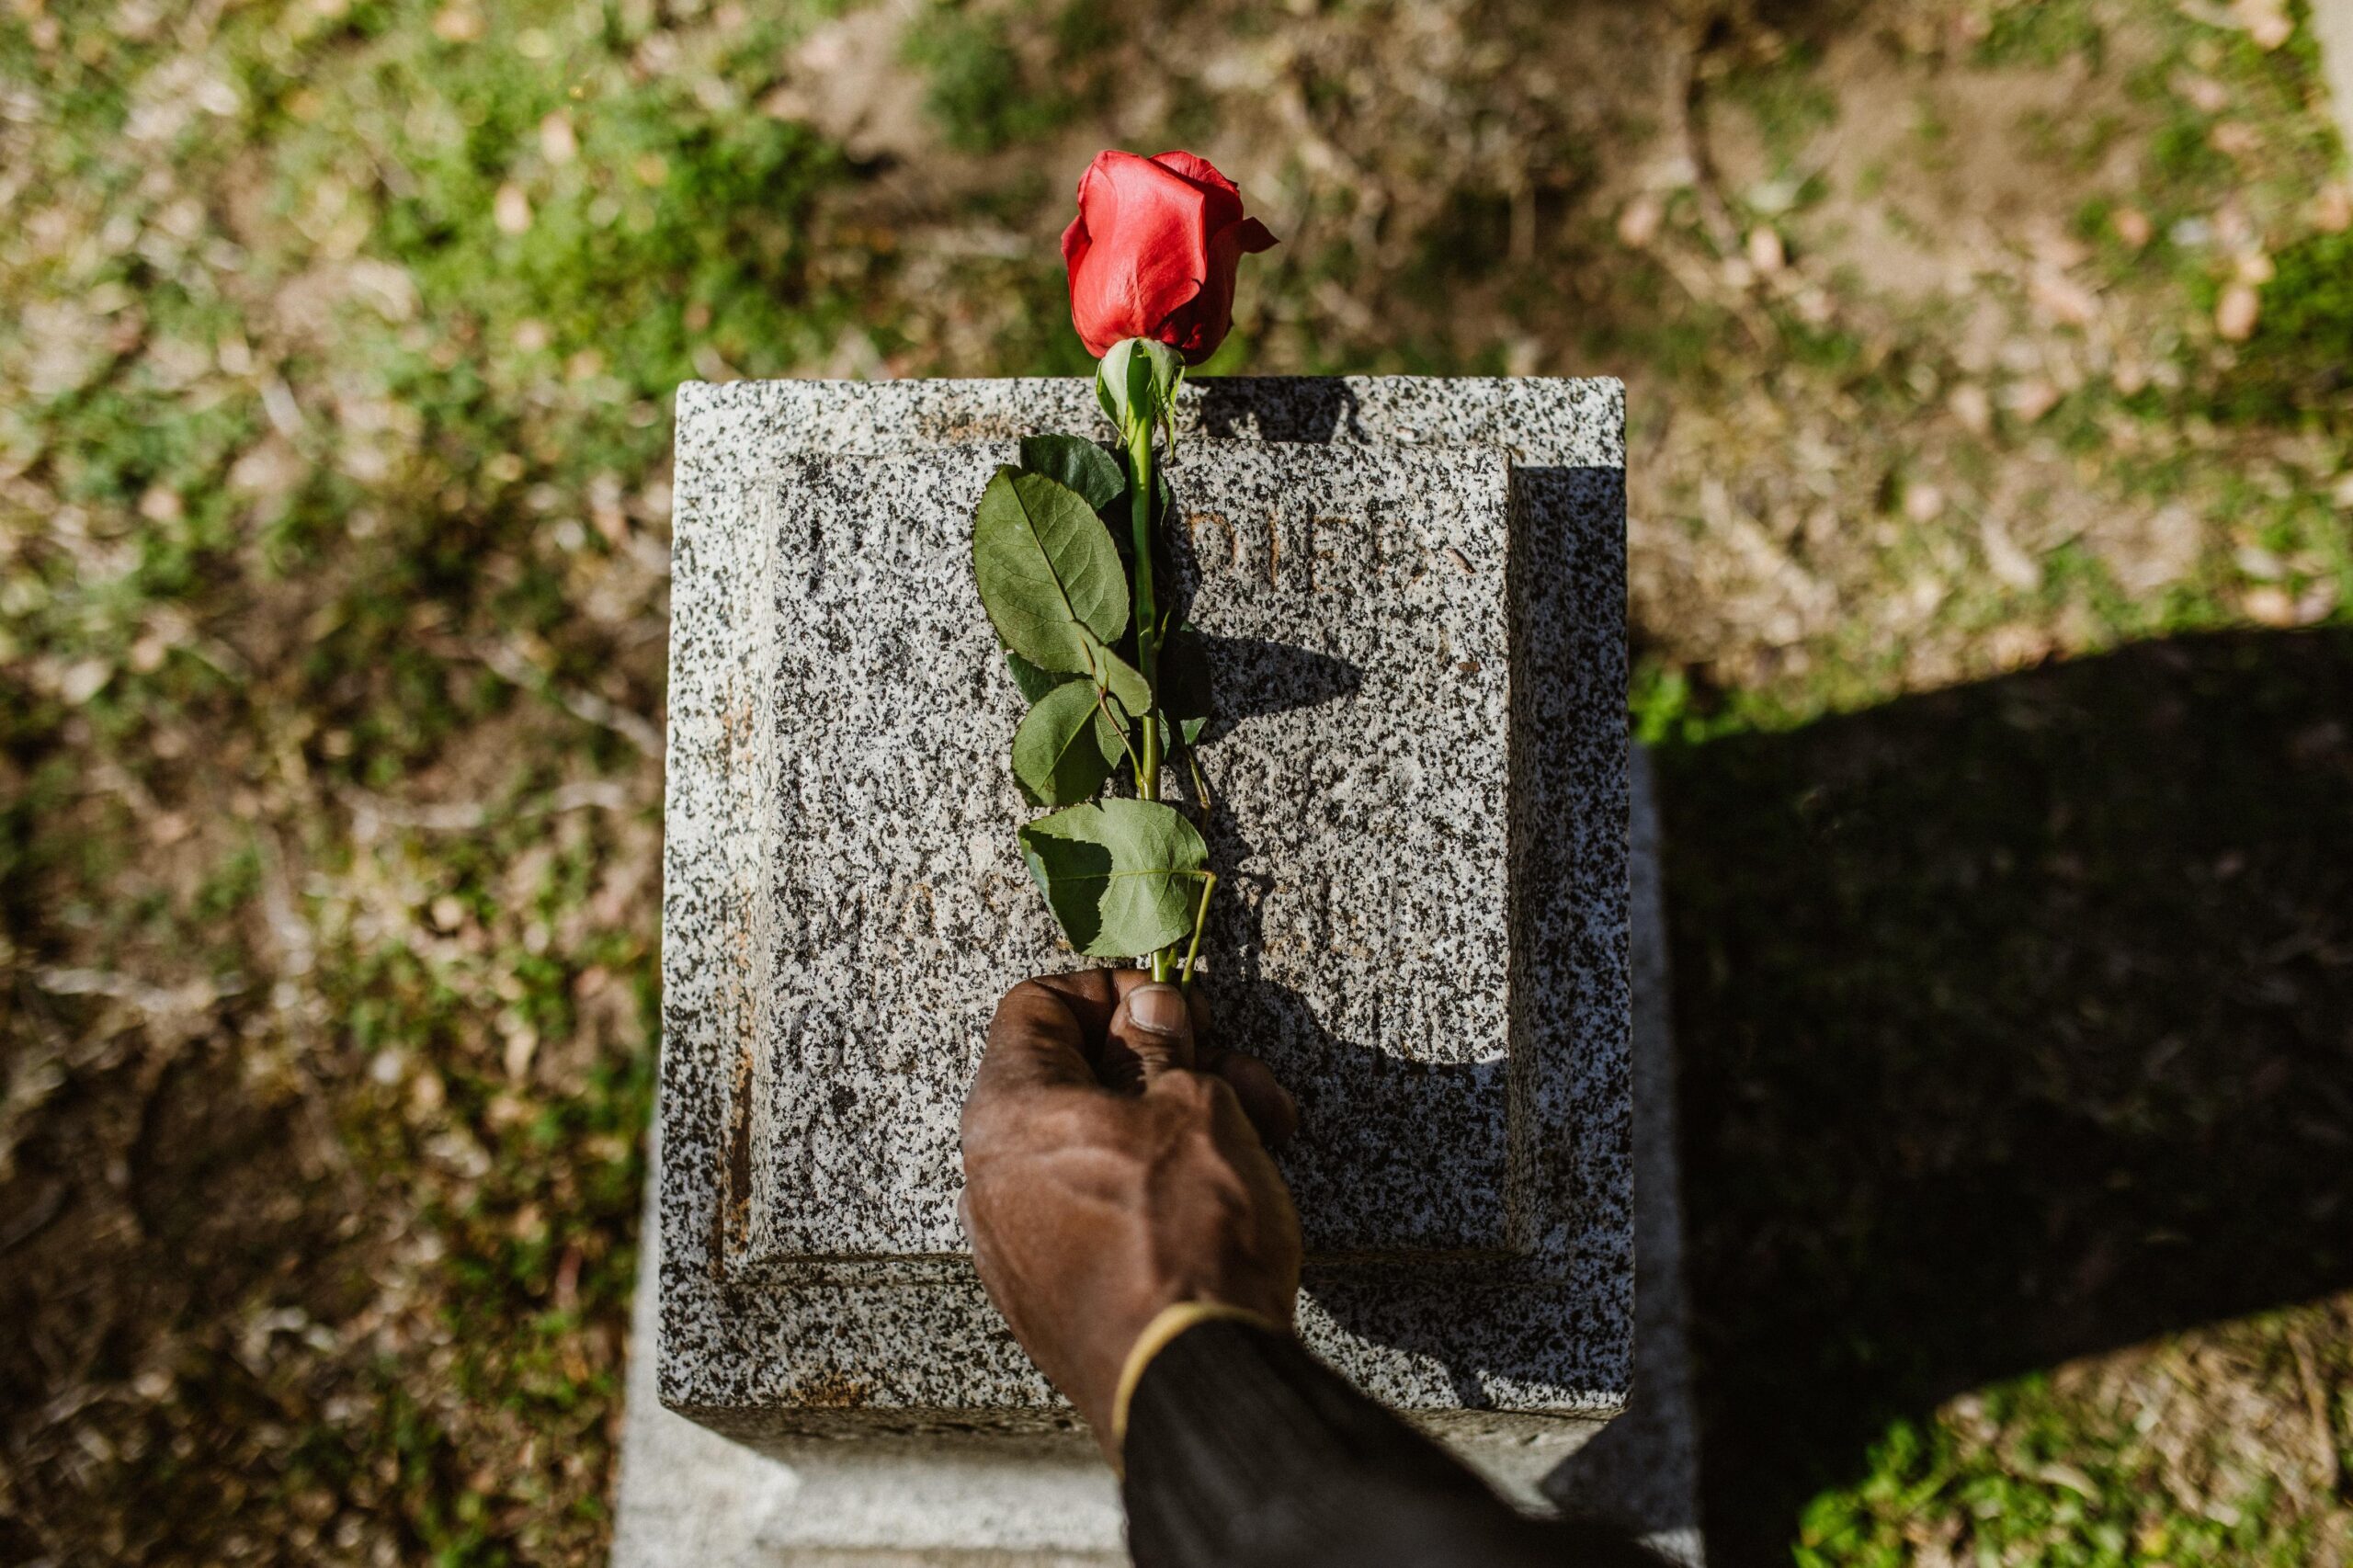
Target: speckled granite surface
1521 1348
1350 602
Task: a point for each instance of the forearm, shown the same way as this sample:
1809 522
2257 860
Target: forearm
1242 1450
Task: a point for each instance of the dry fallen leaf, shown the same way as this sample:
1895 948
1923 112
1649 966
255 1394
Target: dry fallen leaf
558 144
1639 223
2202 93
2237 311
2269 605
2011 566
2234 138
1972 407
511 210
2062 300
82 681
2030 400
2266 21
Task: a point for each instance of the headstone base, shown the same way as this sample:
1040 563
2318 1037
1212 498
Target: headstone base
690 1498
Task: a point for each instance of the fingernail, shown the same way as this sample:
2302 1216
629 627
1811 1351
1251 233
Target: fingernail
1159 1009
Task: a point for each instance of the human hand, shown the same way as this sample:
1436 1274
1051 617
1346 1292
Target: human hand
1113 1168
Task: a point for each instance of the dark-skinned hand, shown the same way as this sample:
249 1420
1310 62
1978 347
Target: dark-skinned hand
1115 1165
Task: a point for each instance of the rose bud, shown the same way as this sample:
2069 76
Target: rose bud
1153 252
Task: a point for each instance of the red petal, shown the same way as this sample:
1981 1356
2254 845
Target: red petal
1147 254
1224 204
1201 326
1195 168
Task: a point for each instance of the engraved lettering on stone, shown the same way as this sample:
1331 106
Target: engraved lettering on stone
1193 521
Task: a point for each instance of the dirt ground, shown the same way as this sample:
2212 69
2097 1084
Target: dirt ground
1990 477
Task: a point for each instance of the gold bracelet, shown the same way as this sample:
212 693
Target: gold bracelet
1166 1324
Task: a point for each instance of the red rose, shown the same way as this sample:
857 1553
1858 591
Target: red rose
1153 252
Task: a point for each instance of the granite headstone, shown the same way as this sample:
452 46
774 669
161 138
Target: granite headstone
1412 594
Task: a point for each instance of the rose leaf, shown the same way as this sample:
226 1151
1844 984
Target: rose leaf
1033 682
1065 747
1048 573
1122 679
1119 874
1079 464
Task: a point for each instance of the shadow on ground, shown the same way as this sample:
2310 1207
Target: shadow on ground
2017 1023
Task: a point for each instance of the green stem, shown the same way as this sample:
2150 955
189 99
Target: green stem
1139 434
1147 610
1200 919
1200 781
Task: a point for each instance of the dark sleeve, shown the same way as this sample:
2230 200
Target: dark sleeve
1244 1451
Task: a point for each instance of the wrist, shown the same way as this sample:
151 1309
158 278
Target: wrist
1166 1324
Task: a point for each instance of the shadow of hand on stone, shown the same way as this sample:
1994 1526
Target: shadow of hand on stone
1382 1208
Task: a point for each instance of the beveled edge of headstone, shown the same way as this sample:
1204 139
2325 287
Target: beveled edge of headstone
1543 421
771 1362
751 1254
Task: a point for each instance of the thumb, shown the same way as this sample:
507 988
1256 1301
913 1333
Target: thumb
1151 1033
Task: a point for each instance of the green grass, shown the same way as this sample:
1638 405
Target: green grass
2042 32
981 91
382 379
2063 1484
1784 91
335 483
2296 366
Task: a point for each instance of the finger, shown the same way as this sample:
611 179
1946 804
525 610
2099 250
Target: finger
1036 1043
1126 979
1092 995
1151 1033
1269 1106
